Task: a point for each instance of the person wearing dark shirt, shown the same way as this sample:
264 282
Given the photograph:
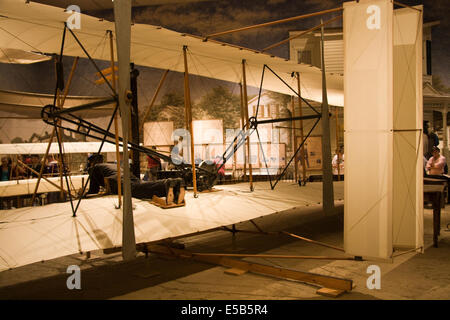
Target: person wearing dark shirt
35 165
5 169
168 188
51 168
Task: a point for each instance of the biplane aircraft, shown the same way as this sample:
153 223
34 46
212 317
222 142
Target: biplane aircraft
33 32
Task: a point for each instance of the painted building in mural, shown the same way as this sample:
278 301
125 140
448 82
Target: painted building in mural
306 49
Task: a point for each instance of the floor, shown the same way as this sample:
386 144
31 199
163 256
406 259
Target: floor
409 276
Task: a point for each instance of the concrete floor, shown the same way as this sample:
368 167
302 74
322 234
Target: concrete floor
410 276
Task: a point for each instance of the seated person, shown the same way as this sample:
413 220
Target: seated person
169 188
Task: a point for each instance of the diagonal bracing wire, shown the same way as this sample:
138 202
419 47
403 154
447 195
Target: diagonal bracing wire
257 132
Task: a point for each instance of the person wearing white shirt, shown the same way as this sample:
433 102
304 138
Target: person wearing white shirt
338 162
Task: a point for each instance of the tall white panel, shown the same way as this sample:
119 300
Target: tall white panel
368 113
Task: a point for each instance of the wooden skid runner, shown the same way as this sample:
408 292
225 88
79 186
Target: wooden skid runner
307 277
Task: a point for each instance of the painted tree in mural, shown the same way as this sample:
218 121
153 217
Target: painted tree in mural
170 108
220 103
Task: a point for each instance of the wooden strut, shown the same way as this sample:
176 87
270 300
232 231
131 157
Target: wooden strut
301 34
337 146
155 95
35 172
244 87
61 104
300 114
243 122
60 164
116 124
294 139
327 172
274 22
58 133
294 236
188 107
275 256
313 241
307 277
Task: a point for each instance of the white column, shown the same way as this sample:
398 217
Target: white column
122 14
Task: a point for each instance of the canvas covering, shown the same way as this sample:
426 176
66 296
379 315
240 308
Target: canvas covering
382 120
36 27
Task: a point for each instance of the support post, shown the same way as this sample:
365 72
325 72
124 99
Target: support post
122 14
116 124
294 139
327 173
300 114
244 153
187 104
444 128
337 145
135 121
244 79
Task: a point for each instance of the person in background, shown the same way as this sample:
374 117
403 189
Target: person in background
18 171
338 161
51 168
6 169
35 165
436 163
430 140
436 168
425 161
218 162
173 189
153 166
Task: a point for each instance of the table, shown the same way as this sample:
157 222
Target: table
434 193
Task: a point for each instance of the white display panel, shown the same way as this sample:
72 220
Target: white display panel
207 131
158 133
